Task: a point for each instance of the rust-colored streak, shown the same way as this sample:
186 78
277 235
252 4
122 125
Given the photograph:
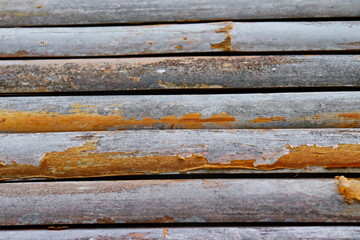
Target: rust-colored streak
338 120
266 120
225 29
350 116
350 188
166 232
85 161
341 156
105 220
316 117
165 219
352 45
79 120
21 53
226 44
130 236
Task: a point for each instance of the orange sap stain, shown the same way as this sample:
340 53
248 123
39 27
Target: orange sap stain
78 120
266 120
86 161
350 188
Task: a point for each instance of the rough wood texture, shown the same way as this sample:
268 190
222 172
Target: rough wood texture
160 201
214 233
180 38
99 154
179 73
96 113
60 12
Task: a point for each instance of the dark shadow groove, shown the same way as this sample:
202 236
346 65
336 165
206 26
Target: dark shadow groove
179 225
187 91
193 54
197 176
182 22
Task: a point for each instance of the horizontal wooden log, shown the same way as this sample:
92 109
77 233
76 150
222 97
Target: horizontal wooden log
180 38
96 113
199 233
101 154
60 12
175 201
179 73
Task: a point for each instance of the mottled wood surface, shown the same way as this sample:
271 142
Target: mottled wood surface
66 12
180 38
94 113
72 75
203 233
99 154
59 137
174 201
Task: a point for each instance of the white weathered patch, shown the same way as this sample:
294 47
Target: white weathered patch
161 71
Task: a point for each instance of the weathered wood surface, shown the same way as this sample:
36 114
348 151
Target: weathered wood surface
72 75
96 113
60 12
101 154
199 233
180 38
172 201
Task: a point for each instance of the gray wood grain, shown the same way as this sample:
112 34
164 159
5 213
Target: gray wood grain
66 12
101 154
204 233
180 38
174 201
72 75
96 113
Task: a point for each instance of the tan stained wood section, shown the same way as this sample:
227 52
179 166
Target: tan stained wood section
180 38
187 233
75 75
102 154
175 201
232 111
66 12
